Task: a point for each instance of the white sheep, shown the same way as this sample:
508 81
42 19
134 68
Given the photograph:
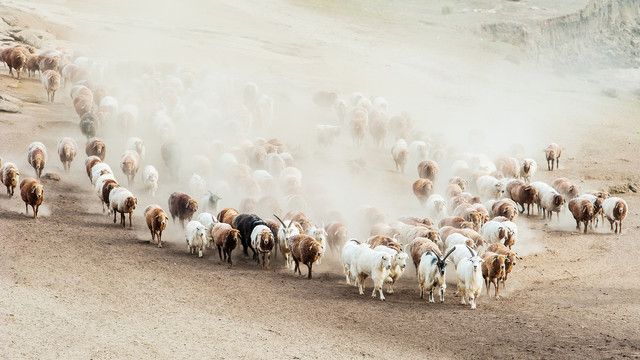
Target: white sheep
122 201
528 167
548 199
326 134
150 179
400 152
287 230
469 279
263 243
615 209
130 163
197 184
136 144
67 151
348 257
418 150
209 202
460 252
195 235
489 187
320 234
456 239
209 221
98 188
275 164
495 232
398 264
367 262
99 169
436 207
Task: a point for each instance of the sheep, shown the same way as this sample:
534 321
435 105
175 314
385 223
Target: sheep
337 235
348 254
51 81
456 222
358 125
506 208
227 215
262 240
548 200
417 247
104 191
83 102
182 206
210 202
597 207
67 151
566 188
122 201
582 211
398 264
10 176
469 213
226 240
509 166
157 221
246 223
457 238
368 262
88 125
90 162
415 221
528 167
418 150
385 241
150 179
522 193
130 163
32 64
452 191
195 235
436 207
493 270
615 209
432 274
197 184
284 233
553 152
208 220
16 59
495 232
32 193
49 60
508 266
37 157
422 189
378 127
96 147
460 252
304 249
320 235
469 279
601 194
136 144
428 169
341 110
98 170
474 236
171 154
326 134
489 187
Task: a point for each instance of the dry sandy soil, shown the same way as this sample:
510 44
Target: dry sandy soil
76 286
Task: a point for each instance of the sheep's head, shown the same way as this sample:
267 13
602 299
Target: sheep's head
558 200
14 174
130 203
551 154
233 237
37 190
386 261
162 220
192 205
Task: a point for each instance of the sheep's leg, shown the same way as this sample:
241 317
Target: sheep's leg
421 291
620 230
310 266
220 254
35 211
268 261
557 163
130 223
153 236
442 289
585 226
159 239
26 208
200 251
114 215
431 299
487 284
360 284
464 298
472 301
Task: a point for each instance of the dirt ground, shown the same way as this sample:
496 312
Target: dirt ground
76 286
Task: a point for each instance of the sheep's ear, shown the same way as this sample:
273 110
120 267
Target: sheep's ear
310 247
495 257
33 189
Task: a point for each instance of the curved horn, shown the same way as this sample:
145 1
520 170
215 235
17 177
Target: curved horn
215 221
470 250
453 248
281 222
405 248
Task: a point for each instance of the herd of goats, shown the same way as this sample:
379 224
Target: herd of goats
470 225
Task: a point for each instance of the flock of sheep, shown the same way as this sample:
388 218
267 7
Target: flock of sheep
208 137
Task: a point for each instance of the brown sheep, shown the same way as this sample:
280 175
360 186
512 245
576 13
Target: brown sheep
67 151
509 167
90 162
378 127
107 186
553 152
400 153
51 81
422 189
462 183
48 60
508 266
428 170
10 176
227 216
565 187
385 241
337 235
32 194
156 222
415 221
83 104
32 64
582 211
304 249
522 193
301 219
182 206
96 147
358 125
506 208
469 213
130 163
16 59
493 270
37 157
456 222
452 191
418 246
226 239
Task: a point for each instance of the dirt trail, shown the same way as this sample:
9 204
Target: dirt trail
75 285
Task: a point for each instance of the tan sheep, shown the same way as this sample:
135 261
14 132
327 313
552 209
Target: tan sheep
32 194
